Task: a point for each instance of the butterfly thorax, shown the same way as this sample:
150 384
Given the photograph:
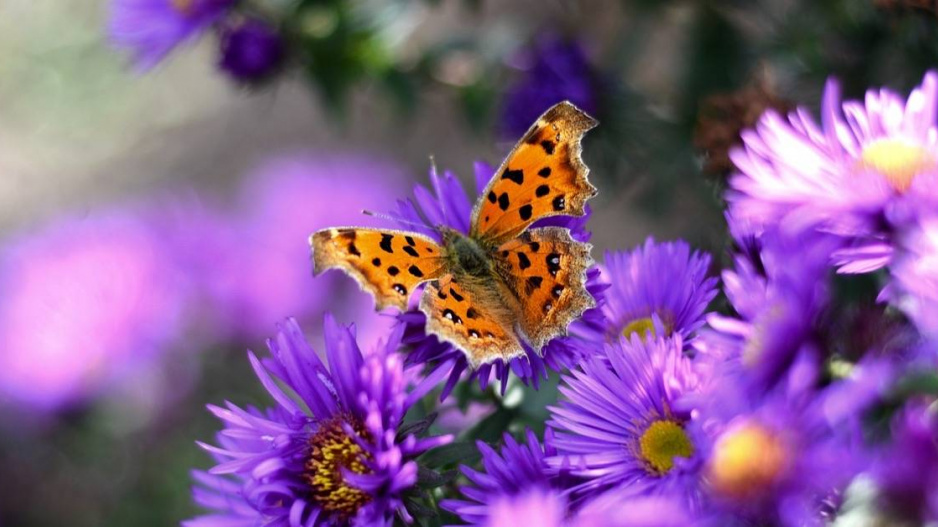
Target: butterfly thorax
466 254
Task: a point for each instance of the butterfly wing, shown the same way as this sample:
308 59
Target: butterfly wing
545 269
471 316
542 176
388 264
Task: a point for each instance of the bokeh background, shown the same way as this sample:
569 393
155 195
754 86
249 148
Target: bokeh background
154 224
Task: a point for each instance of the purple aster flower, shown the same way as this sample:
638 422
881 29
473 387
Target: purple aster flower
782 458
330 455
536 506
617 425
451 207
89 303
514 482
915 276
658 287
150 29
855 176
251 50
615 509
779 294
906 469
264 276
553 70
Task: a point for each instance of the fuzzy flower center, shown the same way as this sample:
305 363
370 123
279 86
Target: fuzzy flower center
663 441
641 327
746 461
898 161
331 452
182 6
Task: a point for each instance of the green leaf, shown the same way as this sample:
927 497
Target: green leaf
460 452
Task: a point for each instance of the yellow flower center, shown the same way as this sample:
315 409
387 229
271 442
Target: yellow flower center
331 451
641 326
182 6
746 461
898 161
663 441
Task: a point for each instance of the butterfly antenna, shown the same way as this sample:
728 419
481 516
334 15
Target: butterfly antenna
395 219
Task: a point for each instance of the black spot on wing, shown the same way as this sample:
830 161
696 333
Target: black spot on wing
556 291
471 313
457 296
400 289
535 246
473 333
526 212
542 191
548 306
514 175
450 315
353 250
548 146
376 262
410 240
503 201
393 270
491 197
532 284
559 203
523 261
414 270
386 243
544 172
553 263
411 251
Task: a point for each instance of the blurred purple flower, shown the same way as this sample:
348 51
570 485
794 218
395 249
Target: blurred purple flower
150 29
915 275
779 294
856 176
267 273
552 70
331 454
515 481
251 50
614 509
906 469
617 426
782 458
534 506
658 287
450 206
88 303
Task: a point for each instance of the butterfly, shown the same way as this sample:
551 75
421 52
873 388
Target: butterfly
504 283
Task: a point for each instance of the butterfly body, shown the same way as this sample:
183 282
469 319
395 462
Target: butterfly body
504 283
467 256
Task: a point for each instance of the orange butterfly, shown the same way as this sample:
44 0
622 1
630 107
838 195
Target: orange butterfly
503 283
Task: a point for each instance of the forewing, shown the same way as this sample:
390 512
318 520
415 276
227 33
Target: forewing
388 264
545 269
542 176
472 317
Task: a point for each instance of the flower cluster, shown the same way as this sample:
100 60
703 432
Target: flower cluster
809 384
250 48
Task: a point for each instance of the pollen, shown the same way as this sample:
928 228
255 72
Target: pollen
898 161
332 451
641 327
663 441
746 461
